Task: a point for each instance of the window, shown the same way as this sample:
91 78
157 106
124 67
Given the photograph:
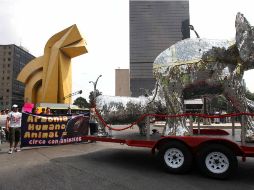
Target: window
7 90
9 59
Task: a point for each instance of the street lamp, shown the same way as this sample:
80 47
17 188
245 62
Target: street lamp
72 94
94 89
101 129
69 96
191 27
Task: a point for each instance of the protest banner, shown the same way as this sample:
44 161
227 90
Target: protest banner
48 130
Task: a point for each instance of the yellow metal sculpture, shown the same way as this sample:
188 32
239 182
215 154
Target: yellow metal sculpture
48 78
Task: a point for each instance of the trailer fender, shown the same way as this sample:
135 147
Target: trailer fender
195 144
229 144
163 141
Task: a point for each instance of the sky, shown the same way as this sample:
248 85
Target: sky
105 26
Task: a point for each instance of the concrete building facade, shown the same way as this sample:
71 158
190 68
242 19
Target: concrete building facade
122 82
12 59
154 26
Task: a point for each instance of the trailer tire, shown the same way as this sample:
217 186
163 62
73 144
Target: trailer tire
175 157
217 161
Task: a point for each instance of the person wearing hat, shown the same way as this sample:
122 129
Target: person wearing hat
13 123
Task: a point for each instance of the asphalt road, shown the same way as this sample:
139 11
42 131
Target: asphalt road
102 166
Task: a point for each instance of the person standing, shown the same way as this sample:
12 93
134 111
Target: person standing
13 123
6 131
35 110
48 111
93 123
3 118
43 111
69 111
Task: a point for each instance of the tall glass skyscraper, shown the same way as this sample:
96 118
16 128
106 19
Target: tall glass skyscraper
154 26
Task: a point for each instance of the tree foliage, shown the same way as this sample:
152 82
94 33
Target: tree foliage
249 95
81 102
219 103
91 96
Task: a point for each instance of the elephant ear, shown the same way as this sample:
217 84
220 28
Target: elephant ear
244 38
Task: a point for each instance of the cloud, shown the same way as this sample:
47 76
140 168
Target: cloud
8 33
104 25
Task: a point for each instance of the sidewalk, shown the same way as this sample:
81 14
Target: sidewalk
4 147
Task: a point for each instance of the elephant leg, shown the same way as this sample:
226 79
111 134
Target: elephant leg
176 125
236 96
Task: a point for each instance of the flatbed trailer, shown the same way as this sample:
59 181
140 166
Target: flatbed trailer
215 151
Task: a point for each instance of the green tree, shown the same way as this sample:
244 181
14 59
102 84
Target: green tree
81 102
91 97
249 95
219 103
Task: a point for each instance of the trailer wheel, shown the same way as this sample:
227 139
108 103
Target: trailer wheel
175 157
217 161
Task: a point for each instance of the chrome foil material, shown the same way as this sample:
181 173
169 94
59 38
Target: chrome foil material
192 68
212 66
250 104
120 110
187 51
244 39
124 110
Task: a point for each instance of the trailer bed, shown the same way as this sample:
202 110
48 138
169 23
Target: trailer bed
131 137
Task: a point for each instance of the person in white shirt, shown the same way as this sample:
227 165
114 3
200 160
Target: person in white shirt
93 123
13 123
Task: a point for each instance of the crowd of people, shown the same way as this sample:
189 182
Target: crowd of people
10 125
43 111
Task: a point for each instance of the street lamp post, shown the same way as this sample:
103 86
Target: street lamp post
69 96
94 89
191 27
101 129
